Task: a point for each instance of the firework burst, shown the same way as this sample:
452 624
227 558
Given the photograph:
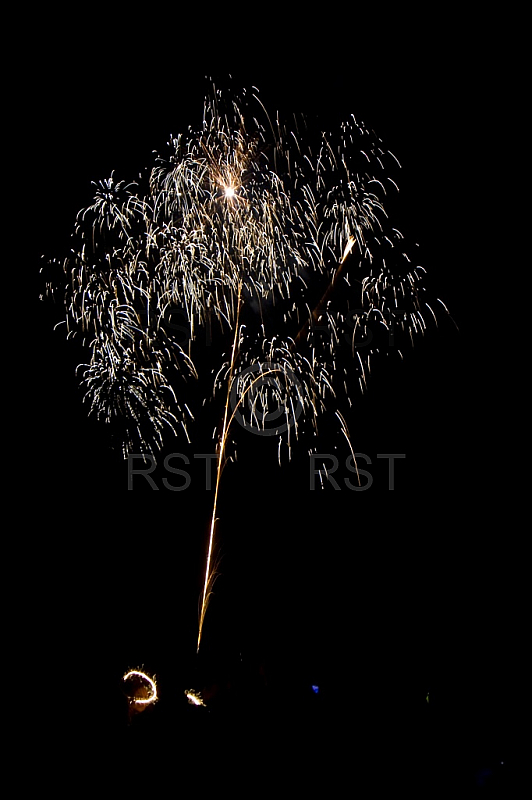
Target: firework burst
274 239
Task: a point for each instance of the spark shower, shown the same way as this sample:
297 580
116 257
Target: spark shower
273 242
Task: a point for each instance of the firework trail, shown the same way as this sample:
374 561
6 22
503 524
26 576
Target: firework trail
274 239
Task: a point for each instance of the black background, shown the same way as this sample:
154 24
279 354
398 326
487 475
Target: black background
379 597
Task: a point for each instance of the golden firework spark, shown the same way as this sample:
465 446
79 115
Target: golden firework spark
194 698
141 689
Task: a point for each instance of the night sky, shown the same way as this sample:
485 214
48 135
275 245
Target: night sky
401 606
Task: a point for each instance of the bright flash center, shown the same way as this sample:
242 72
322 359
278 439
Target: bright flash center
229 191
